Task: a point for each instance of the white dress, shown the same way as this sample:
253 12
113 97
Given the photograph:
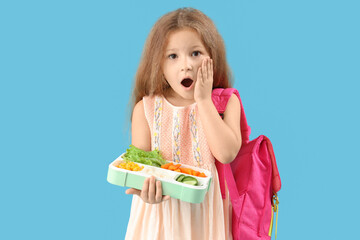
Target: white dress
178 134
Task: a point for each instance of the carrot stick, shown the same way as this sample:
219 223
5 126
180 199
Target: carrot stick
166 166
172 167
202 175
187 171
177 166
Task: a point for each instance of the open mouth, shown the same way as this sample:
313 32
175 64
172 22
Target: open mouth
186 82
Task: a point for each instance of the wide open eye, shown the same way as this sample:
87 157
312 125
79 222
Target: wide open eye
172 56
196 53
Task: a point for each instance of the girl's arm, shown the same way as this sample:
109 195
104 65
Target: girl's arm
223 135
140 131
141 138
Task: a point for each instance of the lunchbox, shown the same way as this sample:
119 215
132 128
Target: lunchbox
171 187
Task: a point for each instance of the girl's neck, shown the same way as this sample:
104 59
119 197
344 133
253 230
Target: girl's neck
176 100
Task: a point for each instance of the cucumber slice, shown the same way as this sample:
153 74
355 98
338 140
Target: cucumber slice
187 180
180 178
190 180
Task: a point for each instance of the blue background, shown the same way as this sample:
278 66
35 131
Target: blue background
66 71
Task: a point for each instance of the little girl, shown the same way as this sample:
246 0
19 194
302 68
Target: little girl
183 61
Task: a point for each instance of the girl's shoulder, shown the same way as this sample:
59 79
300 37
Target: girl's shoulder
233 108
228 104
234 101
138 110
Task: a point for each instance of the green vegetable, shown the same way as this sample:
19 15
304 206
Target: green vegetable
152 158
180 178
190 180
187 180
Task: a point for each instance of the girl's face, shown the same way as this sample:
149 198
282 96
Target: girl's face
184 54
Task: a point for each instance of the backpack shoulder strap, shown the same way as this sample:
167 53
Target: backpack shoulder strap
220 98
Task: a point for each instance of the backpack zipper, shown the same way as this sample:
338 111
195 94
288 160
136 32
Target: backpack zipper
274 209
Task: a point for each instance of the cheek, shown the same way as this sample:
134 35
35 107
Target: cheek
169 72
198 62
165 69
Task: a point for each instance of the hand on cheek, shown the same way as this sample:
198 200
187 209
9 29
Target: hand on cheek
204 82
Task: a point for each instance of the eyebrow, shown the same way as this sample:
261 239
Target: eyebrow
174 49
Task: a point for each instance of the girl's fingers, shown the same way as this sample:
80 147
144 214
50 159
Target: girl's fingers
133 191
209 68
151 196
199 77
158 196
165 198
151 191
205 69
144 192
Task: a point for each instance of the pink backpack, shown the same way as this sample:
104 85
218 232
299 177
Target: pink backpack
252 178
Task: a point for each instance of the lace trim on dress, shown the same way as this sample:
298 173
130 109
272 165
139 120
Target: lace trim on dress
195 137
157 123
176 136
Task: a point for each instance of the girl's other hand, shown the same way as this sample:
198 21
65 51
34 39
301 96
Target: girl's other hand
151 191
204 82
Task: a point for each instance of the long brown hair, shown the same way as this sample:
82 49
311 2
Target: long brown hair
149 80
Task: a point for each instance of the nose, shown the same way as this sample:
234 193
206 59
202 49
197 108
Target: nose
186 64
